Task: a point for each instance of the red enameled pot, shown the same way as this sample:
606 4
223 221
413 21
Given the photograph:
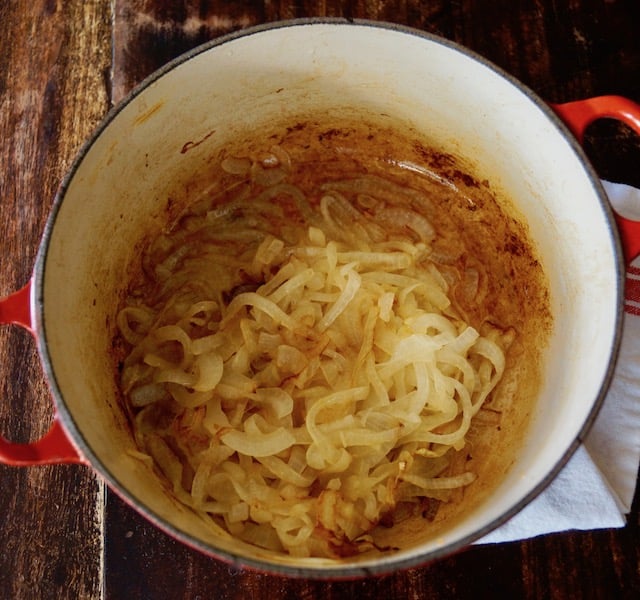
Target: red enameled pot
114 192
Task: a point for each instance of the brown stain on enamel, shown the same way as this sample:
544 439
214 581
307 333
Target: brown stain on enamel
147 114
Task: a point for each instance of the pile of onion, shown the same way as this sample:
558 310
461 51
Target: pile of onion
296 367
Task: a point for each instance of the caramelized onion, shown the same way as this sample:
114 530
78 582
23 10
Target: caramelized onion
297 367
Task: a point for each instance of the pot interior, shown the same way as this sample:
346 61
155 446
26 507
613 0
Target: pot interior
162 139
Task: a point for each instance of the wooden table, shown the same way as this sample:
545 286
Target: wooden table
62 65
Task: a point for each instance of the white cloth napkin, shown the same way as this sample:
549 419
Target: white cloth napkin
596 487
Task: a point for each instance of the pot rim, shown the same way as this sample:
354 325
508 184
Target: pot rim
362 568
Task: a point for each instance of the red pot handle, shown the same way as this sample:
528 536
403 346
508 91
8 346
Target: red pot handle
578 116
55 446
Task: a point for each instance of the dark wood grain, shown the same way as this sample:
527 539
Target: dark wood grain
53 59
62 64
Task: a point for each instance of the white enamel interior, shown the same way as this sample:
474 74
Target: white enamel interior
116 191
